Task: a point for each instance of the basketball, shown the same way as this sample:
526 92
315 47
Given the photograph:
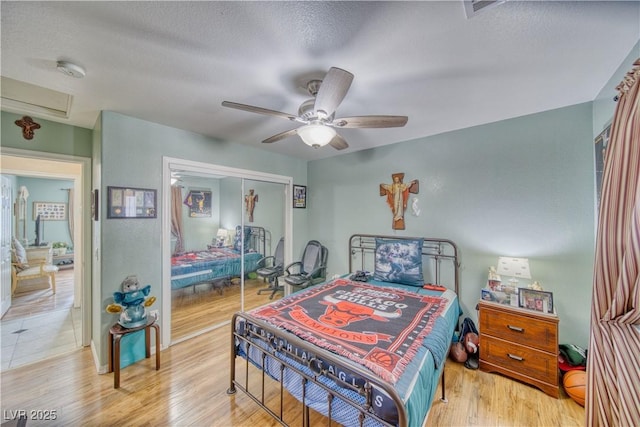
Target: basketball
574 384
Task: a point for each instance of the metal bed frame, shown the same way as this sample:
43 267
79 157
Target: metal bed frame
259 239
362 249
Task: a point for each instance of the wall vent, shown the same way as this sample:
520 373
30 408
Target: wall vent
473 7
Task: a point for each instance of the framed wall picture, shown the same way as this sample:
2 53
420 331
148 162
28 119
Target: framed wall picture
199 202
129 202
299 196
50 211
531 299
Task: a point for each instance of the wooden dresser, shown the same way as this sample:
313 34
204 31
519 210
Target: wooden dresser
521 344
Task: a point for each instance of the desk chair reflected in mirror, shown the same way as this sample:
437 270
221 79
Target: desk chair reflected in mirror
311 269
272 267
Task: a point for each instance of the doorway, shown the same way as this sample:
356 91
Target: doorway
24 163
228 187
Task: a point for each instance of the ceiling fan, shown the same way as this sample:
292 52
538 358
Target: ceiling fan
318 113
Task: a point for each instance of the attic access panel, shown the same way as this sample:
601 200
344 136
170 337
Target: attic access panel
21 97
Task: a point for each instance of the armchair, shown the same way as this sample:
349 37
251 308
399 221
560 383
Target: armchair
25 268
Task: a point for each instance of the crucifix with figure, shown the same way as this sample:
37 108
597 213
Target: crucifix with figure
250 203
397 196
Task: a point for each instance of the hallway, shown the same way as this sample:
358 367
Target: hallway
41 324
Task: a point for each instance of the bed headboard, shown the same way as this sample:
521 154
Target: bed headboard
259 239
440 259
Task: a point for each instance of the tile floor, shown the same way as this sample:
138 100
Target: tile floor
29 339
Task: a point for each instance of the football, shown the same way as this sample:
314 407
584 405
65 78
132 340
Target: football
457 352
575 384
471 342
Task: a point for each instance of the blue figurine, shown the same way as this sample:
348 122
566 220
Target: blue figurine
131 303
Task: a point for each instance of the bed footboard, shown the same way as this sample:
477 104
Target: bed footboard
263 349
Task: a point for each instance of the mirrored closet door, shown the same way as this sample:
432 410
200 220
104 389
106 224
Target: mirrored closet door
222 223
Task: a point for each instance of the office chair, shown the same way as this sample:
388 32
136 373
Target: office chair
272 267
311 269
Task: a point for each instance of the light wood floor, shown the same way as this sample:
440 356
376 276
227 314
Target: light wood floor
190 390
41 301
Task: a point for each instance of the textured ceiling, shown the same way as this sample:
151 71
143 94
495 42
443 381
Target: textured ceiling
175 62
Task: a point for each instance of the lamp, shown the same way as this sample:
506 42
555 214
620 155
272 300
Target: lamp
516 268
316 134
221 237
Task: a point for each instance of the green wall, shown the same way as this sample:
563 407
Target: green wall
520 187
52 137
198 232
46 190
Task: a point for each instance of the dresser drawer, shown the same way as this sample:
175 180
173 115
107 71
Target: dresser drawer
520 328
523 360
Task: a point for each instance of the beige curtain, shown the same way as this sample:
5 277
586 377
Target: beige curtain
613 365
176 218
70 212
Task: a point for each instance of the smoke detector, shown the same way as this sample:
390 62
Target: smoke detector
473 7
70 69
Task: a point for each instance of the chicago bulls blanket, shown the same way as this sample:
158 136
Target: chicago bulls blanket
378 327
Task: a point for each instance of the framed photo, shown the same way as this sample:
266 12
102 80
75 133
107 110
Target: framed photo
531 299
299 196
50 211
199 202
129 202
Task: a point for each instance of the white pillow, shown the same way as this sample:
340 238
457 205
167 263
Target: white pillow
19 252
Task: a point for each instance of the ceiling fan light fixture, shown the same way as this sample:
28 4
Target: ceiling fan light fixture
316 135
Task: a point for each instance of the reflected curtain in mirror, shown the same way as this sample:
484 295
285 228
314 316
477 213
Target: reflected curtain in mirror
176 218
69 210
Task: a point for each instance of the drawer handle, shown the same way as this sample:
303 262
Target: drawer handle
514 357
515 328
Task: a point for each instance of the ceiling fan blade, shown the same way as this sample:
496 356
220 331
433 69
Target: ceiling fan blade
332 91
338 143
371 122
280 136
259 110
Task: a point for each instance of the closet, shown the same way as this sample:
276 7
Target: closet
221 209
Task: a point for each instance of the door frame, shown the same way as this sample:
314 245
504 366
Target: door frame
169 163
6 230
82 216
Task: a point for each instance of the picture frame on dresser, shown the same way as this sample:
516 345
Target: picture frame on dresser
532 299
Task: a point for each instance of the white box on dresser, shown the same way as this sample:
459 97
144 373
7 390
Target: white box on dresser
521 344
